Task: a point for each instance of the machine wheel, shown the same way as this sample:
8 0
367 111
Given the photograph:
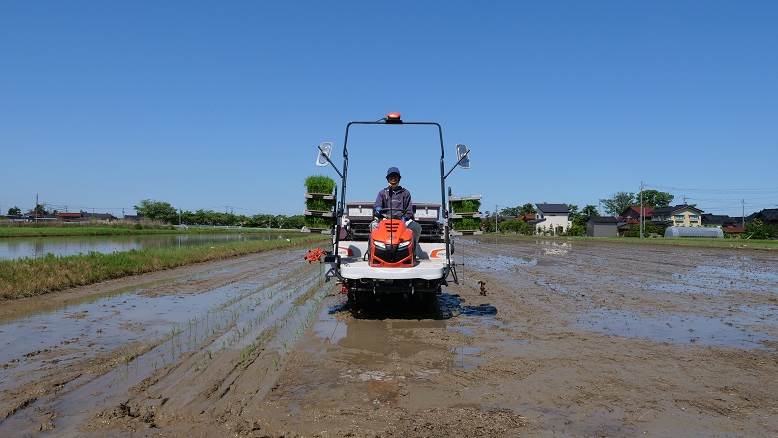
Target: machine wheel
427 301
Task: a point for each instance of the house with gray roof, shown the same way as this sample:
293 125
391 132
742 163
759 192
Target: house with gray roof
683 215
553 218
602 226
768 216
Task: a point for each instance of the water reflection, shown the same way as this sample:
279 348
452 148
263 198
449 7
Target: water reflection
725 331
550 247
20 247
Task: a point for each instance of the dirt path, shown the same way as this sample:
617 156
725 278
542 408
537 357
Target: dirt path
581 339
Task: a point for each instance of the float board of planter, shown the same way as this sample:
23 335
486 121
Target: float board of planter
464 198
319 213
466 232
475 214
323 196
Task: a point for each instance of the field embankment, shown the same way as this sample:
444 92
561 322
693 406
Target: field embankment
117 230
28 277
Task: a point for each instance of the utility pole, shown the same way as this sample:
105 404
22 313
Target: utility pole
641 209
36 207
495 218
743 213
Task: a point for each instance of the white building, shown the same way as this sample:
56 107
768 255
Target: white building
551 218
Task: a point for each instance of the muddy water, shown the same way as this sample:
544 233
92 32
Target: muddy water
570 339
234 326
20 247
365 339
81 331
725 331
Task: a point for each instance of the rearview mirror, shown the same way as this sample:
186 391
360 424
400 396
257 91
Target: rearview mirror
325 150
463 156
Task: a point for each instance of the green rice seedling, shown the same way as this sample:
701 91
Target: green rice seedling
246 354
466 206
319 184
319 204
318 222
470 205
467 223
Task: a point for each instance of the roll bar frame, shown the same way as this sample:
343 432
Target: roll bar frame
443 174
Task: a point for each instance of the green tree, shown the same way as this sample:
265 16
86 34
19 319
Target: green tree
295 222
655 198
580 218
14 211
572 212
157 211
39 210
516 226
618 202
576 229
487 223
527 209
510 211
756 229
590 211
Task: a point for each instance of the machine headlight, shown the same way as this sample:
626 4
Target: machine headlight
380 244
404 244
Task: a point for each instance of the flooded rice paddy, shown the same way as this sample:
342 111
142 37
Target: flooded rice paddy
32 247
571 338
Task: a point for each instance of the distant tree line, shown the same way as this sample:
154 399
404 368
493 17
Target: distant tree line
513 219
616 204
166 212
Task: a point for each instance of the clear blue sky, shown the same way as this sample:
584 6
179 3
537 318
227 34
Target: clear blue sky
103 104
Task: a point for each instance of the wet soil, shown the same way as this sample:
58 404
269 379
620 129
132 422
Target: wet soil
571 339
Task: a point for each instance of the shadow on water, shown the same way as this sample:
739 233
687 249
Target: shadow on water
441 306
380 331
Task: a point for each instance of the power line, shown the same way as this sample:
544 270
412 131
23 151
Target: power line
733 199
755 190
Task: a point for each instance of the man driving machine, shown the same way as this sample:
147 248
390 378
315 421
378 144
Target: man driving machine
394 202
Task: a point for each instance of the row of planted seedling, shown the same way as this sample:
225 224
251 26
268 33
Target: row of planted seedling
227 324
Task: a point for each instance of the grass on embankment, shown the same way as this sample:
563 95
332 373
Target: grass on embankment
27 277
686 241
108 230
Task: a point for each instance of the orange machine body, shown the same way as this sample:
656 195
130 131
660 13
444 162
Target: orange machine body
391 245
